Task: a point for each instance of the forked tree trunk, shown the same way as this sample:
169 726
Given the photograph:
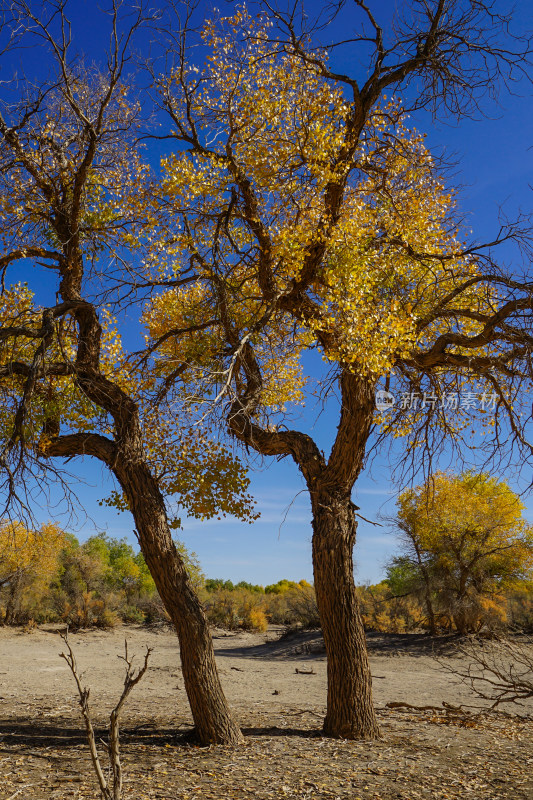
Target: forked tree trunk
213 721
212 718
350 709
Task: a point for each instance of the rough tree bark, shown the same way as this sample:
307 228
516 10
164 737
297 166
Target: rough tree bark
350 710
212 717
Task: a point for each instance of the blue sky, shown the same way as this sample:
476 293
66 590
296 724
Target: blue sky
494 165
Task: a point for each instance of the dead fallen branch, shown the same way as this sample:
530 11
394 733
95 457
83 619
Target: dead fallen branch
446 708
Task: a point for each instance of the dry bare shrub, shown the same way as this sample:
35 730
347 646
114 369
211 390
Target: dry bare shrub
221 610
87 611
110 786
500 670
520 610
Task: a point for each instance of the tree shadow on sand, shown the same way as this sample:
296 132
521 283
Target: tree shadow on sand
27 734
310 645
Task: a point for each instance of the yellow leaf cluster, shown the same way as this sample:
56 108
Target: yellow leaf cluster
470 523
23 550
272 123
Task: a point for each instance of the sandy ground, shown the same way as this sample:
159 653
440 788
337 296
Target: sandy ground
423 754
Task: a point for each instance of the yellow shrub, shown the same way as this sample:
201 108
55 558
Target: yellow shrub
255 620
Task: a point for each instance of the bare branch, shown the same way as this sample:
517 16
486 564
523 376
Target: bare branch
109 790
500 669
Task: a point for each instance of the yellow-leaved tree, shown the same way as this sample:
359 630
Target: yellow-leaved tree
305 216
28 559
464 540
74 199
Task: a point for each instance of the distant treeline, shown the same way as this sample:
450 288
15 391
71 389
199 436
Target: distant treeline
49 576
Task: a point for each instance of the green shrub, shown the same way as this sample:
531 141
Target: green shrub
132 614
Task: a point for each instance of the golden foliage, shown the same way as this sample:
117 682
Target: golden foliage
28 561
468 535
253 190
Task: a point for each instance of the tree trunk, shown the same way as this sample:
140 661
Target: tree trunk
427 592
124 457
460 614
459 620
429 608
350 710
13 602
212 717
460 617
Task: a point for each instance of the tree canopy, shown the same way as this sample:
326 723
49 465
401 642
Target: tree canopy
300 213
28 558
292 231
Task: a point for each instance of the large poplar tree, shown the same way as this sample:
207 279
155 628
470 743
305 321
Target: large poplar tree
73 200
313 219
